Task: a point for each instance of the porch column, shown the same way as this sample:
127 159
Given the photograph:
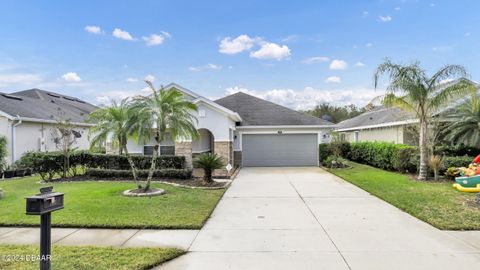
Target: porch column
225 150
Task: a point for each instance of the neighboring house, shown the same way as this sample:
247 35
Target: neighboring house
379 124
247 131
27 119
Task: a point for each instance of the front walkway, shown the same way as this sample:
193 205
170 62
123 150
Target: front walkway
101 237
306 218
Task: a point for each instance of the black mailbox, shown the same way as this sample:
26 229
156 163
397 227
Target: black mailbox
45 202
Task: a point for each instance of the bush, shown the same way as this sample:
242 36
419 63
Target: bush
3 152
162 173
383 155
324 151
457 162
327 149
49 164
335 162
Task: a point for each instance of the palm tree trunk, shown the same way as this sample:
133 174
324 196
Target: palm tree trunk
423 170
152 166
132 164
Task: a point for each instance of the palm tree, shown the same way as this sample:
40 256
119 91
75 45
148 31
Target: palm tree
208 162
115 121
412 90
163 110
465 127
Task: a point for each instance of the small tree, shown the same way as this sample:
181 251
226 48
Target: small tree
435 162
3 152
64 135
208 162
161 111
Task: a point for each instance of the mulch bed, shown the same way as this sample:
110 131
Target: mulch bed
193 182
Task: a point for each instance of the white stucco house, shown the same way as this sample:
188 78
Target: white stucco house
28 117
247 131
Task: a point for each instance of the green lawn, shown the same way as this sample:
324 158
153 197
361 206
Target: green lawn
79 258
101 205
436 203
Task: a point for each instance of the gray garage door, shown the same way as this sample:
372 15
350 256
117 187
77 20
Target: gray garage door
279 150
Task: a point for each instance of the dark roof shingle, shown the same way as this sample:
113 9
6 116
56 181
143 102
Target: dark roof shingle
40 104
378 115
259 112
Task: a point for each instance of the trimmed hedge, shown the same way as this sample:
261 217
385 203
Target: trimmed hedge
162 173
49 164
463 161
387 156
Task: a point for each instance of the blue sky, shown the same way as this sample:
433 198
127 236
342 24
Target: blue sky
297 53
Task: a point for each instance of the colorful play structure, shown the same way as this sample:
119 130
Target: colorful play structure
469 180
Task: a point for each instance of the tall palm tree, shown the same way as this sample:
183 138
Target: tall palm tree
465 127
161 111
411 89
116 121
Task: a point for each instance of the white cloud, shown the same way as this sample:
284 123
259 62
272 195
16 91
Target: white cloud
150 78
107 96
205 67
468 34
270 50
93 29
132 80
156 39
369 44
385 18
19 78
121 34
315 59
365 13
337 64
333 79
309 96
71 77
237 45
397 8
432 5
359 64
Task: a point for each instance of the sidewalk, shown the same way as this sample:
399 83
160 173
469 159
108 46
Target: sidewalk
101 237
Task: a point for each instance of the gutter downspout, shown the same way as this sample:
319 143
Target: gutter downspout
14 139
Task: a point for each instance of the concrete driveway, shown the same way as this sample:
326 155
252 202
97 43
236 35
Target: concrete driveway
305 218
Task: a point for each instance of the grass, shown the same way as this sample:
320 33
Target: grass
438 204
64 257
101 205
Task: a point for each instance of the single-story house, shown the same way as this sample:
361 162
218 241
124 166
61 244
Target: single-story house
247 131
380 124
28 118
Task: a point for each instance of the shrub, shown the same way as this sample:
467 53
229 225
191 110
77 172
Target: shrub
335 162
323 152
161 173
208 162
452 172
462 161
3 152
327 149
49 164
383 155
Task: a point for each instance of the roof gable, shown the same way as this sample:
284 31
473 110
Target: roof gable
259 112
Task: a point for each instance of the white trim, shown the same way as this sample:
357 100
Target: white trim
389 124
235 116
201 151
36 120
6 115
286 127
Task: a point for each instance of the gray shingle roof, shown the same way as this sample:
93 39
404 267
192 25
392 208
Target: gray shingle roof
378 115
258 112
40 104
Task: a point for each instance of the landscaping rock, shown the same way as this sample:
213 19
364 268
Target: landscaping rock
141 193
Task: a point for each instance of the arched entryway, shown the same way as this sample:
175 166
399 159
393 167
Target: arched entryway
204 143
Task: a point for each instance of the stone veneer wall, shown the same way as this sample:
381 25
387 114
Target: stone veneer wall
184 149
225 150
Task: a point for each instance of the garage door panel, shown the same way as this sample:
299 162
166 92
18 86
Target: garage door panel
279 150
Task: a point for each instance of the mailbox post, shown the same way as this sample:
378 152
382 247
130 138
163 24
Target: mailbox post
43 204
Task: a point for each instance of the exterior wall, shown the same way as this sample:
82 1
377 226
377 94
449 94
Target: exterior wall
203 143
185 149
393 134
225 150
30 136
